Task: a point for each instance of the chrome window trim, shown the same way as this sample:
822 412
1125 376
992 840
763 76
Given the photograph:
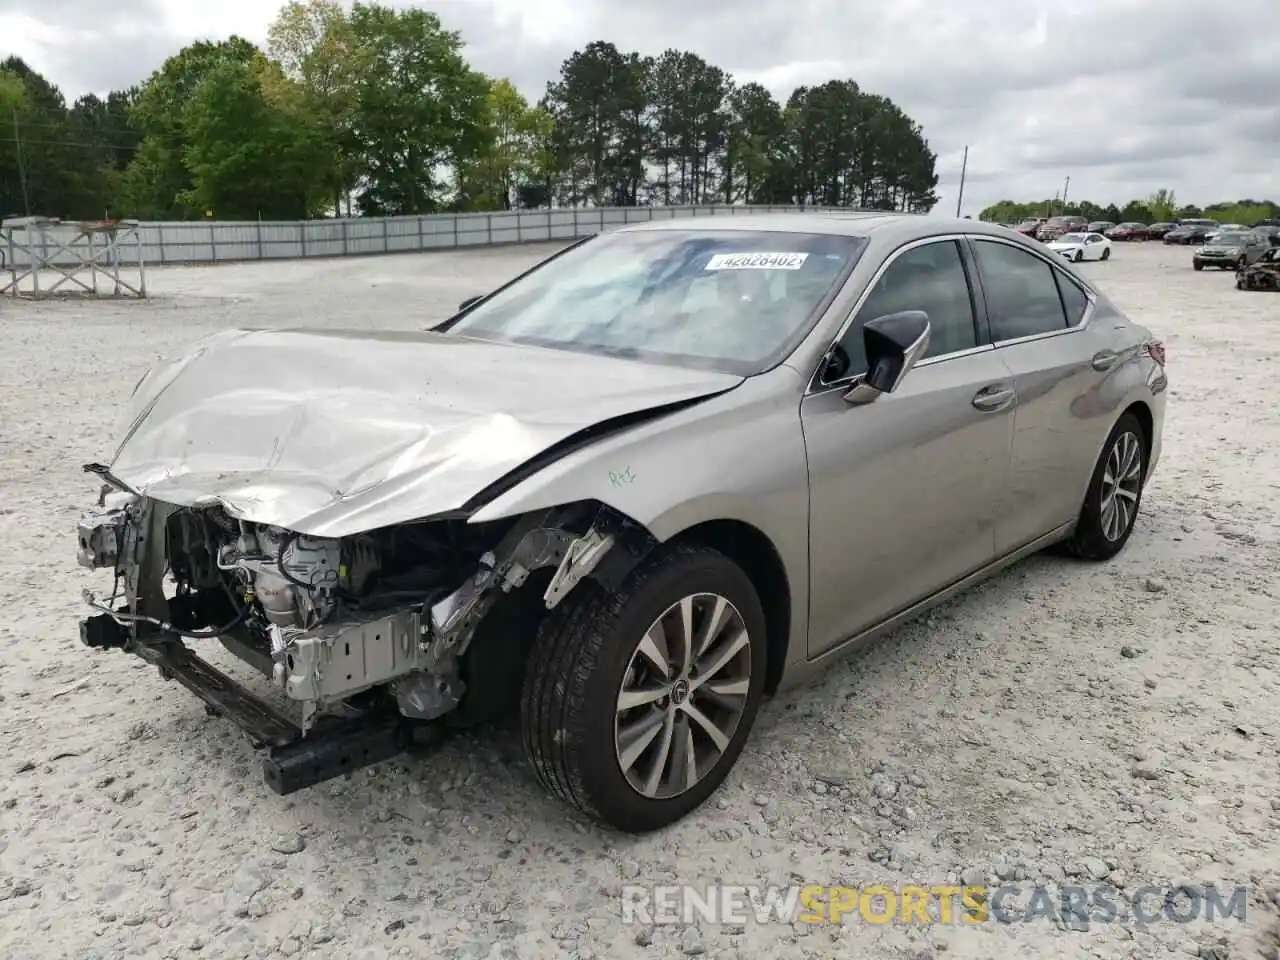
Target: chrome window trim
816 386
1091 297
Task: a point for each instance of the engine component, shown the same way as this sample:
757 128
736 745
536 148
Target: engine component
298 579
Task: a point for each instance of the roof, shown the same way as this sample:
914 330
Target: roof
896 227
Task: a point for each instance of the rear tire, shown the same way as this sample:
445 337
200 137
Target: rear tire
591 651
1114 497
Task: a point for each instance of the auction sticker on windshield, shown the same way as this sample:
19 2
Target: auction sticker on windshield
757 261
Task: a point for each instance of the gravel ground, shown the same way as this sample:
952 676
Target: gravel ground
1063 723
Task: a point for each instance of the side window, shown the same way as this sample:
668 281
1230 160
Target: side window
1022 294
1074 299
931 278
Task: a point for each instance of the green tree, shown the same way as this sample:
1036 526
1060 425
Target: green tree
1162 205
315 45
157 185
689 126
419 106
754 144
43 166
15 193
508 159
600 104
247 157
1138 212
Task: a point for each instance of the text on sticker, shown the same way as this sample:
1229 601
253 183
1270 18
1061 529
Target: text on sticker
757 261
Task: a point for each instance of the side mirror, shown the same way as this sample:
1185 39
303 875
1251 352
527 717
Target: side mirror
468 302
893 344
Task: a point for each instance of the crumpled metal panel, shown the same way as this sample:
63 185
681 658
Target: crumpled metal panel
334 433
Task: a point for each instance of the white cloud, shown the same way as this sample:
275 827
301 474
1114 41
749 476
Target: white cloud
1123 96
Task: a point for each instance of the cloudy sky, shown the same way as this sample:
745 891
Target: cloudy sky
1122 96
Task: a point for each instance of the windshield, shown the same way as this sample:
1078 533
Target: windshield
1071 238
1231 239
732 300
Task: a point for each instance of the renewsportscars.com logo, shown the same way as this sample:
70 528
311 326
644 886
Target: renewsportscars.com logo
938 904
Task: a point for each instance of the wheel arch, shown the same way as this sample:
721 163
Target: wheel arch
752 550
1146 419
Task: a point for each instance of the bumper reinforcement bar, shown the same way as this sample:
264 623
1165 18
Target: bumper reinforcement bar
265 725
293 762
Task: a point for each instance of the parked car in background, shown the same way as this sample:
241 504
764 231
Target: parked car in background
1101 226
1225 228
717 456
1192 231
1131 230
1055 227
1262 275
1082 246
1270 233
1230 250
1157 231
1271 222
1029 226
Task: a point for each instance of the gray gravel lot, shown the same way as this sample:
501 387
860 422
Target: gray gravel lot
1064 723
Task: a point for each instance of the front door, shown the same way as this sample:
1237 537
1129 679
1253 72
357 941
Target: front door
903 490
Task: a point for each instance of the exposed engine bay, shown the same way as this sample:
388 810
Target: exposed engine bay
338 625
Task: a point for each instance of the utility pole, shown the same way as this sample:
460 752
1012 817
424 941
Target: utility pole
964 166
1065 187
22 171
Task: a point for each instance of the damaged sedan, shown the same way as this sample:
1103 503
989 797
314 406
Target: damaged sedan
625 496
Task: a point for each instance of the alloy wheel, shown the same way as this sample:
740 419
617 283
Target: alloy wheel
1121 485
682 696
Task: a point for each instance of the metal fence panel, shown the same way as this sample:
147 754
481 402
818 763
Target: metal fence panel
213 241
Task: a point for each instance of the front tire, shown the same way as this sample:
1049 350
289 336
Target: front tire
1114 497
1197 265
637 704
1106 253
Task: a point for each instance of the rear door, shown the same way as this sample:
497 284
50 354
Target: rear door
1040 322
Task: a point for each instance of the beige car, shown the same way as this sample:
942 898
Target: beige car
668 472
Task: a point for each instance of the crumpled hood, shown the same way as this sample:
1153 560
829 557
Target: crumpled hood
333 433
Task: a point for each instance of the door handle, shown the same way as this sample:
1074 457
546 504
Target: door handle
1104 360
992 398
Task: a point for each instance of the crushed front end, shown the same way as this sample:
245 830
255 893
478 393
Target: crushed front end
361 638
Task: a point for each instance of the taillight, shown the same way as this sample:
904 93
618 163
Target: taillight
1155 349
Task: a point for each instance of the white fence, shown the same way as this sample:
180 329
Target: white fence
208 242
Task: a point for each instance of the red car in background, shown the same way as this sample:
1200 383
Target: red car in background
1128 231
1055 227
1029 226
